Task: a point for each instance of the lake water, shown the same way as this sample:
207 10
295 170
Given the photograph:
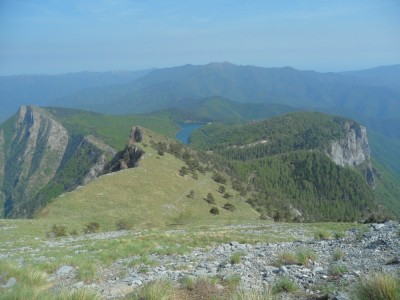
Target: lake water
186 129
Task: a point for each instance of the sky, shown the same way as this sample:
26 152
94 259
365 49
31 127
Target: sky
60 36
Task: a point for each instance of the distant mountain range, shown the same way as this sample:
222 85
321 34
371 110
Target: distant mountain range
371 93
371 96
45 90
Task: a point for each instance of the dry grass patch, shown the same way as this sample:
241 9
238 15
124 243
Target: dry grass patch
378 287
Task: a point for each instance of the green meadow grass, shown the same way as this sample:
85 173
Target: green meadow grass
152 199
153 195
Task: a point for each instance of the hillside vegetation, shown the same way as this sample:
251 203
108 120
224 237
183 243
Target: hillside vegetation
153 195
286 161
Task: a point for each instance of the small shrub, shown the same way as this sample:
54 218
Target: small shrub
87 271
236 257
221 189
286 258
35 278
214 211
337 270
188 282
230 207
378 287
74 232
190 195
304 256
232 282
361 233
91 227
206 288
227 196
218 178
338 254
210 198
326 287
80 294
157 290
284 284
339 234
57 231
123 225
183 171
322 235
252 295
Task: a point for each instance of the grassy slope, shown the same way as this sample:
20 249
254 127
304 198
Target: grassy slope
151 195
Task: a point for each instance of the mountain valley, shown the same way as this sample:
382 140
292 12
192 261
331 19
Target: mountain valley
281 178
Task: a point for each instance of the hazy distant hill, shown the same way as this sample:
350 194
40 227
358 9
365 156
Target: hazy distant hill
170 87
380 76
40 89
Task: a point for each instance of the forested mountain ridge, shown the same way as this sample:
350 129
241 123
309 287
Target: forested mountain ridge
343 139
316 163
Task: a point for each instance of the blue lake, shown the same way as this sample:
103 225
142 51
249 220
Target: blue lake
186 129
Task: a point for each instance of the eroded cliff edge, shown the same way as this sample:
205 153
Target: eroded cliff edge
41 159
353 150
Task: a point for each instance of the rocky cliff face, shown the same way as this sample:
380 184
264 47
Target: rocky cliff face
42 159
353 150
129 157
33 156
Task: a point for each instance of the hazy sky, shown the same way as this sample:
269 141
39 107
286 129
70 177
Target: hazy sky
58 36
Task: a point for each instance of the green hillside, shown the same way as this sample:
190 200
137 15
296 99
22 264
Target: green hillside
309 182
285 161
152 195
293 131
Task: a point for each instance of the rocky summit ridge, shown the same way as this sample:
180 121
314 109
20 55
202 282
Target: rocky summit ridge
330 270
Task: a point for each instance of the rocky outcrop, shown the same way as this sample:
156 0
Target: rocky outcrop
130 156
353 150
102 160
